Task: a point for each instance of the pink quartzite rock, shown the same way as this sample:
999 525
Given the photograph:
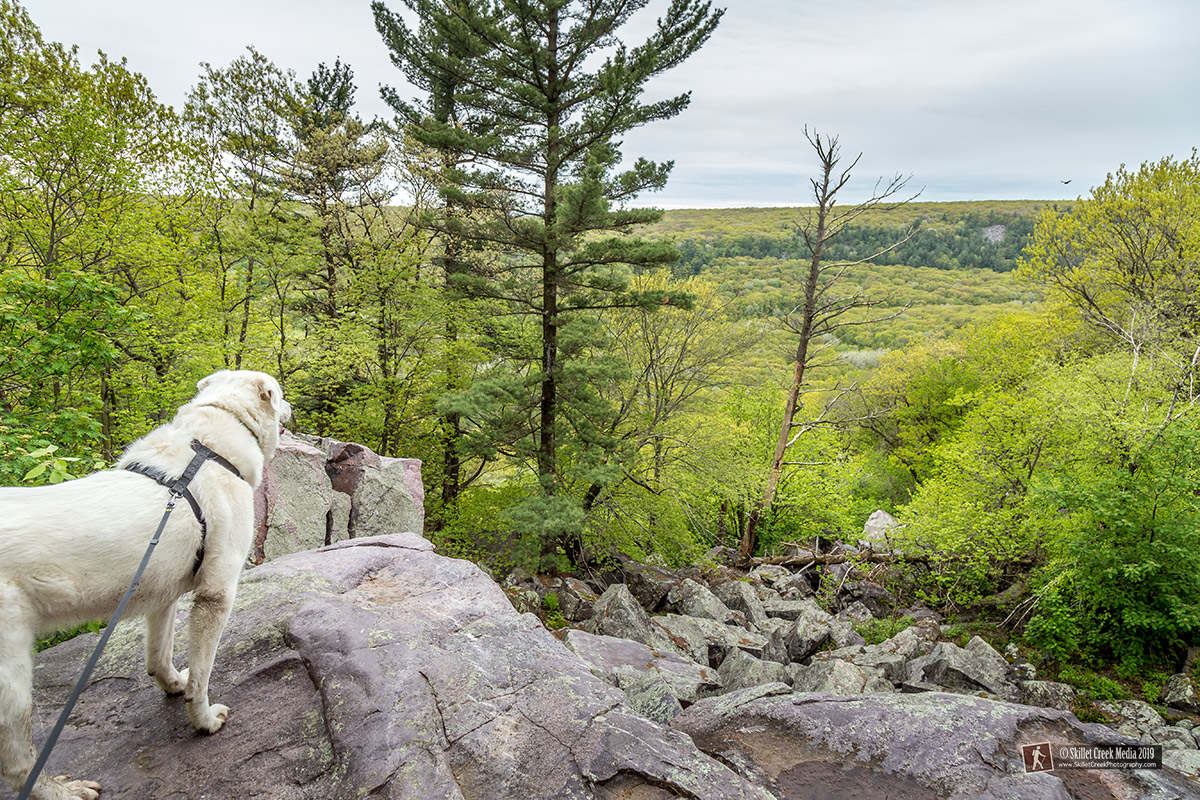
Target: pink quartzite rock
373 668
317 492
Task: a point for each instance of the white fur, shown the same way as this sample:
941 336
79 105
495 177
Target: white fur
68 553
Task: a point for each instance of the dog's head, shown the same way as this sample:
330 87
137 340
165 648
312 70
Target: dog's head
255 398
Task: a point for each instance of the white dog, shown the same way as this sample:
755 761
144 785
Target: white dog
68 553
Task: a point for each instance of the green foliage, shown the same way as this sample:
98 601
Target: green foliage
52 468
881 629
1087 711
58 637
552 613
1125 257
479 529
520 330
1152 686
950 236
1097 687
530 135
1127 568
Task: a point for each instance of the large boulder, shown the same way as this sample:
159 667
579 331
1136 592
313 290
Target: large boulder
618 613
648 583
707 641
964 669
373 667
696 600
316 492
813 628
876 530
835 676
740 596
1048 694
919 747
740 670
1179 692
892 655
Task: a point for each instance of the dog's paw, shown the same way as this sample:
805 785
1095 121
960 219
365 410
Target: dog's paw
173 684
78 790
213 720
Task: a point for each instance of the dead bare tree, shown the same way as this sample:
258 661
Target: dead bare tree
823 310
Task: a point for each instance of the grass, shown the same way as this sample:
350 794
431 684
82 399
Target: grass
58 637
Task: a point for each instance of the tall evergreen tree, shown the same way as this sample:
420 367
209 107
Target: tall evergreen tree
540 117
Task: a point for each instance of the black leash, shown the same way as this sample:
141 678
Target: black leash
178 489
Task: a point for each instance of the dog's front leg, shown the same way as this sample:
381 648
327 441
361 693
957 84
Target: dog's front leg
160 648
209 614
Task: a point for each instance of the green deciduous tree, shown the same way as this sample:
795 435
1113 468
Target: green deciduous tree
90 233
246 114
1127 258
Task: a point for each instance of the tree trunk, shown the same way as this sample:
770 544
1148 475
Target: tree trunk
547 462
816 246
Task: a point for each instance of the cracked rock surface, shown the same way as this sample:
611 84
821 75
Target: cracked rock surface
372 668
932 746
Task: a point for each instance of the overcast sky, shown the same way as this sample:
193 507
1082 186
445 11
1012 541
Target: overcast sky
977 99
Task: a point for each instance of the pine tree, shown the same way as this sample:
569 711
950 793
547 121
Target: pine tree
544 185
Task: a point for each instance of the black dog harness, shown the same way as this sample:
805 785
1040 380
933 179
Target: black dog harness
179 487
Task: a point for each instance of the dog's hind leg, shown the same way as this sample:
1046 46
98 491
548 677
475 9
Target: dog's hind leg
209 614
160 649
16 707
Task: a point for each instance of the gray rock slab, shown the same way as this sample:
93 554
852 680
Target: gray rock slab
1171 738
1048 694
695 600
605 655
770 573
648 694
813 628
959 669
576 599
372 667
1179 692
740 596
836 676
293 503
1138 715
791 609
1186 762
920 747
707 641
618 613
740 670
316 492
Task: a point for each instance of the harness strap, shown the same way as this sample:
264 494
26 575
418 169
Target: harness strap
178 486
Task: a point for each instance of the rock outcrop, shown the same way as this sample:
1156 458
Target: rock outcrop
316 492
370 666
920 747
374 667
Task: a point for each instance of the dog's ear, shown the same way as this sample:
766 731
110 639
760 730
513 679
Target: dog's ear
268 392
210 379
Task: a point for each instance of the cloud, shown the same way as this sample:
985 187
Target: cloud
984 99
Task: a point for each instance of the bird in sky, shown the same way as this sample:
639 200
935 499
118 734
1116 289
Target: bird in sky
1064 183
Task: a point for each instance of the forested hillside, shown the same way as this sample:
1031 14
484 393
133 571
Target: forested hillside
966 235
581 375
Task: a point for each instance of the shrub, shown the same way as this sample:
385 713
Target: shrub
881 629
